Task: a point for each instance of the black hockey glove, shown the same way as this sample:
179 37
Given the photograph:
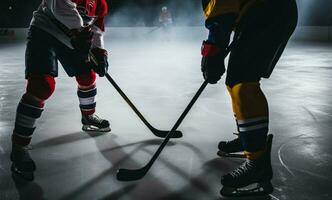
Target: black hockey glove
99 61
213 66
82 41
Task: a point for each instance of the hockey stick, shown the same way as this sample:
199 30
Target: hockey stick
154 29
156 132
135 174
68 33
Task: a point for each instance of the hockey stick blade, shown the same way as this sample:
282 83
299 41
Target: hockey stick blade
131 174
163 133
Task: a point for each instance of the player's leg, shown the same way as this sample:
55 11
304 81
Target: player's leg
254 57
30 108
86 92
41 68
251 112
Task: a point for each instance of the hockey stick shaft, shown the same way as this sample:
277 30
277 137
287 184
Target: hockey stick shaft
127 100
135 174
132 106
177 124
154 29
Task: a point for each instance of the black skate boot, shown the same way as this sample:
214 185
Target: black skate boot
230 148
92 123
22 164
252 178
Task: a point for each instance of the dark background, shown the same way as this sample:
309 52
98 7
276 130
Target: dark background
17 13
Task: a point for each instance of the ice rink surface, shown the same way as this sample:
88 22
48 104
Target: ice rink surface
160 75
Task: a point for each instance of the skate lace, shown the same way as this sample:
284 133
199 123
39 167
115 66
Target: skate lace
243 169
96 118
233 142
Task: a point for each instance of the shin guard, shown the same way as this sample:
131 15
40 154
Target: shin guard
251 112
86 92
30 108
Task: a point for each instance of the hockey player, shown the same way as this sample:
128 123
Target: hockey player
165 17
47 44
262 29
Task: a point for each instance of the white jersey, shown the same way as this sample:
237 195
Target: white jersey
66 12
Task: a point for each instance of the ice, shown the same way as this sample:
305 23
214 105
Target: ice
160 73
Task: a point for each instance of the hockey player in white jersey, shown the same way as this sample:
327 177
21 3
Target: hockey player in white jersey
47 44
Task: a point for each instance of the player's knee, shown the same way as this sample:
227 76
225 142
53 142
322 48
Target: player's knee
41 86
87 79
244 90
248 99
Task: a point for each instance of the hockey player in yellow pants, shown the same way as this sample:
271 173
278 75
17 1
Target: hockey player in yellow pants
263 28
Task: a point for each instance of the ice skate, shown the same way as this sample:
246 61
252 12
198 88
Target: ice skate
252 178
92 123
231 148
22 163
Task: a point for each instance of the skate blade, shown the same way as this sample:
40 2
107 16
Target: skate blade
90 128
230 155
27 176
256 189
